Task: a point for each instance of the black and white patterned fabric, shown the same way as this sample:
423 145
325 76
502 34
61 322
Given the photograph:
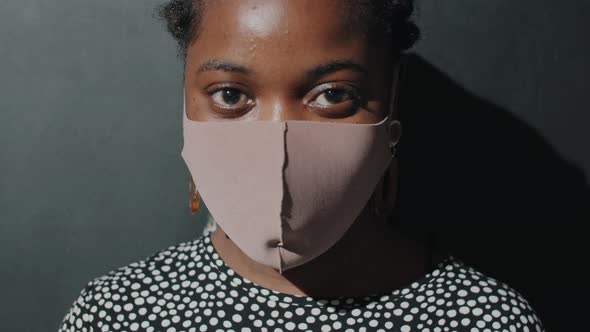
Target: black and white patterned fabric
188 287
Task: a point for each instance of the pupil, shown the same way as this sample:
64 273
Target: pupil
231 96
336 96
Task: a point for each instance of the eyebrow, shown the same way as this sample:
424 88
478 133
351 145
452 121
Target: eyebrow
317 71
223 65
334 66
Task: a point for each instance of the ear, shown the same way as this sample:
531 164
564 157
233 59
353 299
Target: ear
390 179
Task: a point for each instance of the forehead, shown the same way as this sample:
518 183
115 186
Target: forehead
252 30
264 17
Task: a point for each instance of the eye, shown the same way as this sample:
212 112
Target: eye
332 97
230 98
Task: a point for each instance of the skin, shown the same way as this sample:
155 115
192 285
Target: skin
278 60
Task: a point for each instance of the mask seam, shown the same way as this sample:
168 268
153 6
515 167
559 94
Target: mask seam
283 184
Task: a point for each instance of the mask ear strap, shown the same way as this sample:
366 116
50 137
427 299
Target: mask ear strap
398 77
183 102
185 118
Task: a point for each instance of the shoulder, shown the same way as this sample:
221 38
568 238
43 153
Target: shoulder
116 299
479 301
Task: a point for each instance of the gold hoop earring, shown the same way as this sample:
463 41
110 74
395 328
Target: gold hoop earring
393 150
194 198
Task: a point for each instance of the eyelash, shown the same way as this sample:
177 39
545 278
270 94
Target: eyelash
324 88
315 93
212 90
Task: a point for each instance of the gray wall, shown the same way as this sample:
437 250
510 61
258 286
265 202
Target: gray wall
90 135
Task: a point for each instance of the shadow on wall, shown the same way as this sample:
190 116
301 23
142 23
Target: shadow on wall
496 194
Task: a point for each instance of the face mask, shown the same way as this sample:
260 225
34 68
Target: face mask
285 192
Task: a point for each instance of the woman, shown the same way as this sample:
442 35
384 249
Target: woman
290 134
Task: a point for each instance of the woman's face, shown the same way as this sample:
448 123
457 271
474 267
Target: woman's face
277 60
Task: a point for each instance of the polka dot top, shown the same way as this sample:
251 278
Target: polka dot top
188 287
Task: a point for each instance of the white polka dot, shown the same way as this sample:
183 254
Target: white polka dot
189 288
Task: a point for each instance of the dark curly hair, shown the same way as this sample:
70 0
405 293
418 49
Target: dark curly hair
182 18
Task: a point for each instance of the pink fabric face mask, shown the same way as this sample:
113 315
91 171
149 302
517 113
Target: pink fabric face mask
285 192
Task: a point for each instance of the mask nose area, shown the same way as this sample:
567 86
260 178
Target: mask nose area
280 109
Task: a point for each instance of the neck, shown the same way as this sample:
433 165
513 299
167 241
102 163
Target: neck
372 251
